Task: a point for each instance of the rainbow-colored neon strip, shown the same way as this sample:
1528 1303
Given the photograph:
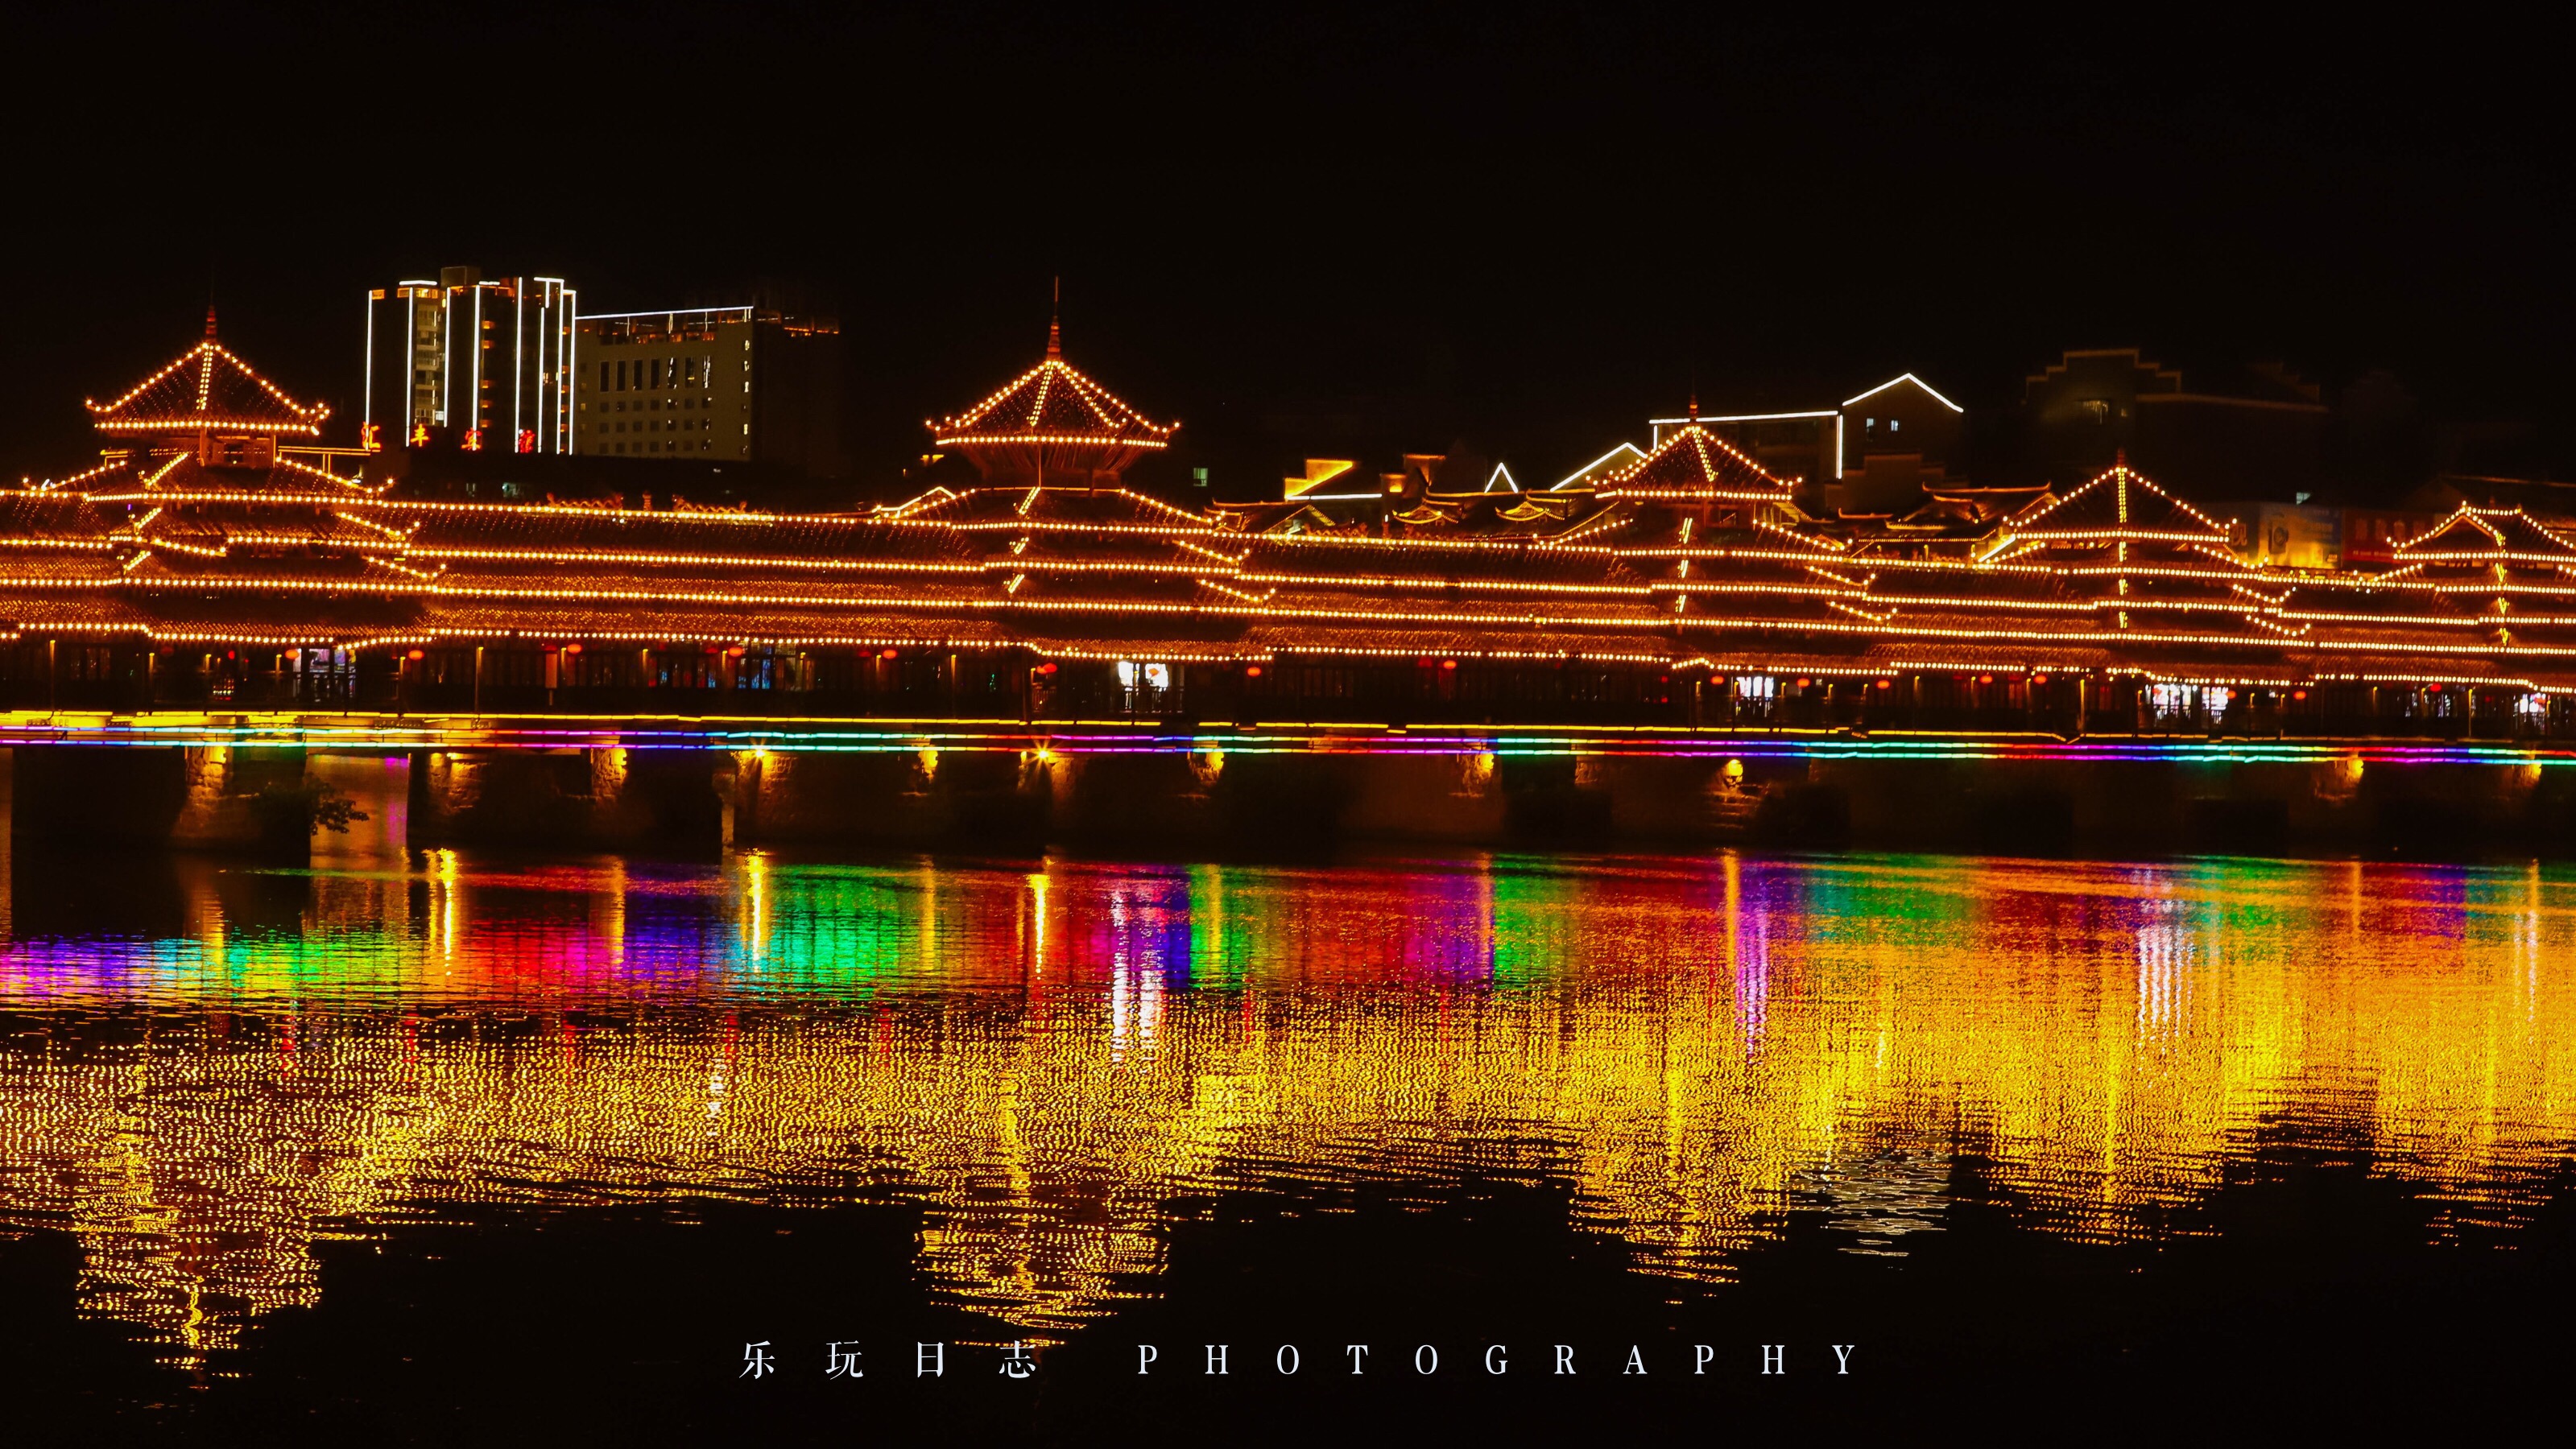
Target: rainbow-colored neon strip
355 734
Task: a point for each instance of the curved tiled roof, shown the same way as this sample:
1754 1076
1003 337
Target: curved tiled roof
1052 400
2485 535
1689 556
1693 462
208 389
2119 504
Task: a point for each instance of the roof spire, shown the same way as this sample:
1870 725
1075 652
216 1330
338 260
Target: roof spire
210 321
2120 459
1055 324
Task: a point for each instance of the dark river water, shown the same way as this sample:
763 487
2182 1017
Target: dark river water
427 1146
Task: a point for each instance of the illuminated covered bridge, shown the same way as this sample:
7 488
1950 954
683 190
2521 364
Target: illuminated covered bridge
204 564
216 577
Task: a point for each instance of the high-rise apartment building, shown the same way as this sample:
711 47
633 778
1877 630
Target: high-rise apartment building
471 363
710 384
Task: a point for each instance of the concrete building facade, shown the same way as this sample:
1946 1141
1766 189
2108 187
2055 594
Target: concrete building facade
470 362
710 384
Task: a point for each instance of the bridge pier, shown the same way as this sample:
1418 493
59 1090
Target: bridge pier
195 797
1023 796
589 799
923 796
2115 807
1217 797
1450 798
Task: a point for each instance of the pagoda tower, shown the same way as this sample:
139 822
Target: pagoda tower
200 456
207 403
2140 559
1694 471
1052 426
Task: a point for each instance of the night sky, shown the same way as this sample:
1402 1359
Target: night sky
1303 233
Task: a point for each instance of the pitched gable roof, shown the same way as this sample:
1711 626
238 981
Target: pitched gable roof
1052 401
2119 505
1693 462
1115 510
207 389
1622 456
2488 535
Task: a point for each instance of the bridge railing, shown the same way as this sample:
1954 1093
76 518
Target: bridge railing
48 675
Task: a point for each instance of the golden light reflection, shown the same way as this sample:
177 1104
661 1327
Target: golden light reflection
1046 1060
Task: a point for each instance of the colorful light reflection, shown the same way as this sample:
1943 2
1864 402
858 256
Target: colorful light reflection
1048 1056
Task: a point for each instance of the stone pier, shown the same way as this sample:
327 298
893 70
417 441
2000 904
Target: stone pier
202 797
1244 797
586 799
1024 799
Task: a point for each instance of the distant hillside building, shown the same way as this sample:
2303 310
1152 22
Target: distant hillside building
710 384
1872 453
469 362
2258 432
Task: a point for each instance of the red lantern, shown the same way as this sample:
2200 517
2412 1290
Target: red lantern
414 654
1046 668
1448 663
1252 671
887 653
